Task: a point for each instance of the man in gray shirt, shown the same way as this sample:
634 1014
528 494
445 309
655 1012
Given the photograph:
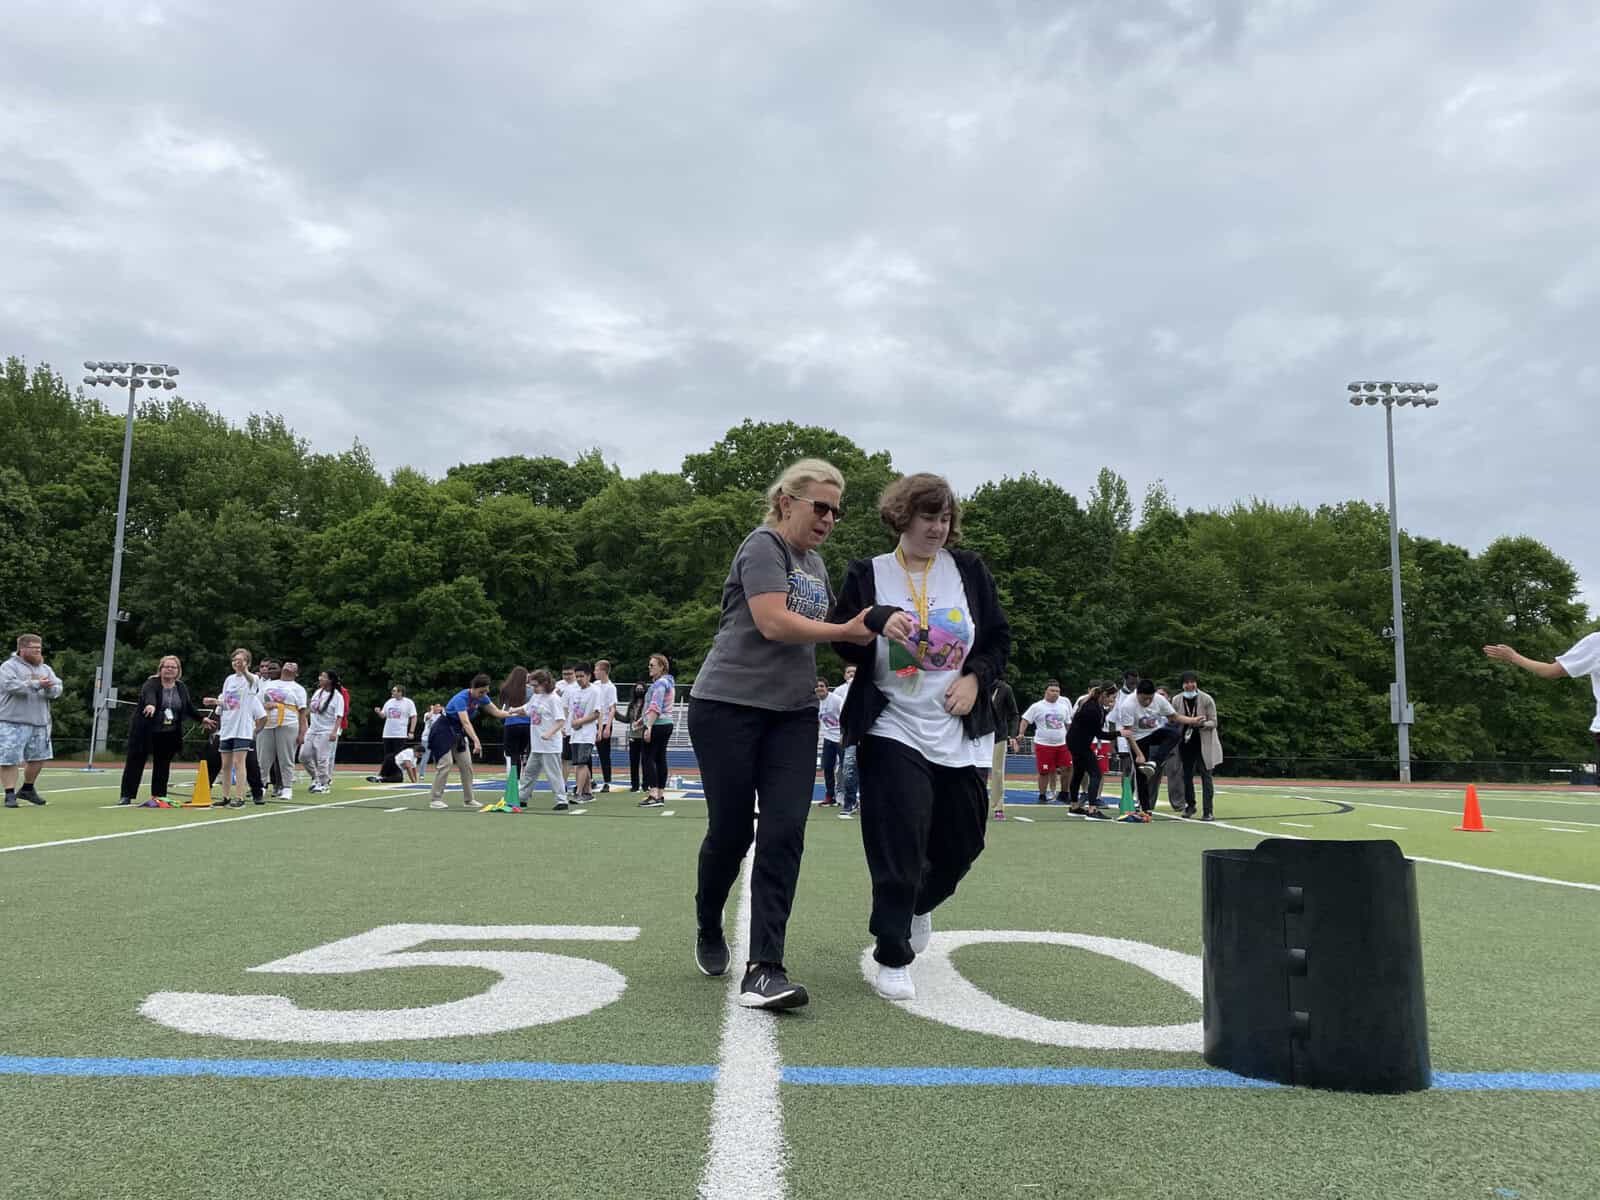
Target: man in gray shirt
27 688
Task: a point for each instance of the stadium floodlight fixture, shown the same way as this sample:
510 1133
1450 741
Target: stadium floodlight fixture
133 376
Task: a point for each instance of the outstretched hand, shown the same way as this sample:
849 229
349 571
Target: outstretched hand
1501 652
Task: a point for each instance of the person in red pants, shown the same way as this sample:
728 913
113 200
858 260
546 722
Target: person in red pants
1049 719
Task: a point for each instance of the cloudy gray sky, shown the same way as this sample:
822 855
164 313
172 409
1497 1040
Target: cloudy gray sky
1159 235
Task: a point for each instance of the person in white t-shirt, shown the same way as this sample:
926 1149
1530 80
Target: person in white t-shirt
240 714
278 743
849 776
608 715
1150 725
399 713
325 711
583 719
435 711
922 713
406 763
1582 659
547 722
829 706
563 692
1049 719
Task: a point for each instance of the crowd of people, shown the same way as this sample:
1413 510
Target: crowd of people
913 740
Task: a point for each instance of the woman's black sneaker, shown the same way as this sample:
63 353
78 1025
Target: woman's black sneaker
711 952
767 986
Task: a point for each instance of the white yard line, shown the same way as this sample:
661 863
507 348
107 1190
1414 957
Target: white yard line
402 808
1436 862
1375 825
747 1156
202 824
1029 820
1553 829
1448 812
666 812
1297 824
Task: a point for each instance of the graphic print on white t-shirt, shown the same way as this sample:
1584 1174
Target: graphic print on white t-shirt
581 701
283 701
828 716
1049 721
1584 659
1143 719
325 710
397 716
545 714
915 677
239 706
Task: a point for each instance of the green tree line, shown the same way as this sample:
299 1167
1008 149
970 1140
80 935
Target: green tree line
246 535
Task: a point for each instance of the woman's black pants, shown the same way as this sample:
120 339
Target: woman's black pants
745 751
1085 764
655 756
163 747
636 749
923 827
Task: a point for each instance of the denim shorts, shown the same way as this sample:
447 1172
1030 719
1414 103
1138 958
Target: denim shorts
24 744
234 745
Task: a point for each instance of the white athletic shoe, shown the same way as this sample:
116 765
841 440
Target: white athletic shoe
285 793
921 931
473 803
438 804
894 983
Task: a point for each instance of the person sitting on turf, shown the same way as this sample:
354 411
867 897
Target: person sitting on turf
1149 723
1582 659
1087 722
1048 719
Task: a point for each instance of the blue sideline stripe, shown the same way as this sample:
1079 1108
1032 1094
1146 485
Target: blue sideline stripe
549 1072
355 1068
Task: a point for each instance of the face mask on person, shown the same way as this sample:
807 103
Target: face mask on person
1190 693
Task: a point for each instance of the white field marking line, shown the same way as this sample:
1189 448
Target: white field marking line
1029 820
201 824
1297 824
1553 829
1375 825
402 808
1447 812
1436 862
747 1156
666 812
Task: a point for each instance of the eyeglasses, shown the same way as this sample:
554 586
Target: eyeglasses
819 507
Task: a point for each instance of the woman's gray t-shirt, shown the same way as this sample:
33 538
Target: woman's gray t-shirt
746 668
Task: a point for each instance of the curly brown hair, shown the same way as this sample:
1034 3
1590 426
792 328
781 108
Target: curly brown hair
925 494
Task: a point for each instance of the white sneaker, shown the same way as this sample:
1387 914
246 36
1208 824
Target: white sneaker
285 793
438 804
474 803
921 931
894 983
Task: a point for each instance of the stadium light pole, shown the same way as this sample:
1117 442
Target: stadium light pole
133 376
1389 394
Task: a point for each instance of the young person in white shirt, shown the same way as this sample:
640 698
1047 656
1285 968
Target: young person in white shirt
435 711
1150 725
563 692
583 719
278 743
849 775
406 763
326 709
1582 659
399 713
240 714
547 722
608 715
829 707
1049 719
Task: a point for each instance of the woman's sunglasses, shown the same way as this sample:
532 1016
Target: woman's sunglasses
819 506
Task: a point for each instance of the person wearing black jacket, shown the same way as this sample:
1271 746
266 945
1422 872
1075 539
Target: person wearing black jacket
922 713
157 729
636 742
1086 725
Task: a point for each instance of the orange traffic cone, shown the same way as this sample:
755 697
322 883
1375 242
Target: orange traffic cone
1471 818
202 789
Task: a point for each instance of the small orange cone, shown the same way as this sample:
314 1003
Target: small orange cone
1471 818
202 790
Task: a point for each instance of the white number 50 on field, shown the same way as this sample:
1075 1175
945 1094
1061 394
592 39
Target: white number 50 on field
534 988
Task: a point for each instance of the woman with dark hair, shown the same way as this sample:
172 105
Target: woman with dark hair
753 723
656 728
447 741
636 742
921 713
326 709
1087 721
157 730
515 692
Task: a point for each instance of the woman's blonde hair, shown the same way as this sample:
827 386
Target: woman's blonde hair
798 476
163 659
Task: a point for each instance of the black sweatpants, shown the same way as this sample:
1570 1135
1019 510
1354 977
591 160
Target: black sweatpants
922 832
1193 760
602 750
655 756
1156 747
636 749
389 772
743 751
1085 765
163 747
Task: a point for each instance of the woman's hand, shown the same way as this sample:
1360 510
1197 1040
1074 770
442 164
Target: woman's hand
647 733
856 631
902 627
149 710
961 695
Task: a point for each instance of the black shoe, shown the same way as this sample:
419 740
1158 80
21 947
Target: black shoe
652 802
604 788
259 799
1188 814
374 778
1208 817
11 801
711 952
31 796
1096 813
124 800
236 802
767 986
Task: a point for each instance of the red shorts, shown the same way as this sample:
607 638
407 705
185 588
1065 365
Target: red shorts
1051 758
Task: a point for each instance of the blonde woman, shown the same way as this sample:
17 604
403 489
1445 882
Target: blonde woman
157 729
655 728
753 722
241 716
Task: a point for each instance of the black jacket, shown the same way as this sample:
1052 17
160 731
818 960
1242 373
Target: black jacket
141 727
987 659
1007 717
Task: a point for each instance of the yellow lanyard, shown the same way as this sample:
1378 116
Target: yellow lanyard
918 598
